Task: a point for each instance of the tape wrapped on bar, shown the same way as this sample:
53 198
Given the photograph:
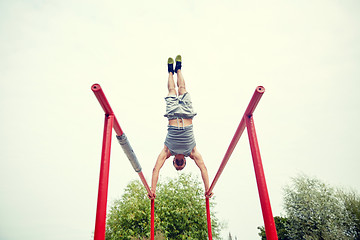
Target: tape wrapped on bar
129 152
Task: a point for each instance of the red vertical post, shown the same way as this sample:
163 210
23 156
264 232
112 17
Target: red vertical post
152 225
100 223
270 228
208 218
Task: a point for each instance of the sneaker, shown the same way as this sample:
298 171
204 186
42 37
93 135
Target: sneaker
178 63
171 65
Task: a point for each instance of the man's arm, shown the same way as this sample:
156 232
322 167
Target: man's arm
196 156
164 154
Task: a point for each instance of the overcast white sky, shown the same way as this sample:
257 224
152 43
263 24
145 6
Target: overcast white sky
305 53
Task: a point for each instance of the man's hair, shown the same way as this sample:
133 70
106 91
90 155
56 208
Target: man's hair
179 164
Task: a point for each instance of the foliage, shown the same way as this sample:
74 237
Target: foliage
179 212
315 212
231 238
130 215
352 205
157 236
280 223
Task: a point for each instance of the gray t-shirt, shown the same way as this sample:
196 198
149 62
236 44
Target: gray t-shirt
180 140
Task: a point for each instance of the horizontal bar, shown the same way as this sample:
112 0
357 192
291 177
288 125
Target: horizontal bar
259 91
106 107
141 175
228 153
125 145
120 134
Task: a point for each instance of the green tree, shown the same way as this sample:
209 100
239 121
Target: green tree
280 223
351 201
179 211
315 212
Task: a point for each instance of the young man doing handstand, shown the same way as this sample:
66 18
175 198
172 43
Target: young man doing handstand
180 140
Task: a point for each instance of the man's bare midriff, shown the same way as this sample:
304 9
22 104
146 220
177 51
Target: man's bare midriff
174 122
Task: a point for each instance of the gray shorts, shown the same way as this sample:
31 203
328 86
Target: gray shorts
179 107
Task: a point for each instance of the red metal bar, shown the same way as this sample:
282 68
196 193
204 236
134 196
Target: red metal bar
152 225
100 223
259 91
270 228
100 95
110 122
106 107
141 175
96 88
208 218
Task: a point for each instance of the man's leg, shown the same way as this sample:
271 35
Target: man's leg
180 77
171 82
180 83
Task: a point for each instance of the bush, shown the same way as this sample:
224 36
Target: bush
179 211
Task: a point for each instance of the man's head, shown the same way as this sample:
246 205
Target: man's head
179 162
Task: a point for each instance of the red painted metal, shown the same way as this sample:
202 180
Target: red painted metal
259 91
99 233
110 123
141 175
270 228
152 225
106 107
208 218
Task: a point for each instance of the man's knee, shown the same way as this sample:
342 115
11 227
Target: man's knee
172 91
182 90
